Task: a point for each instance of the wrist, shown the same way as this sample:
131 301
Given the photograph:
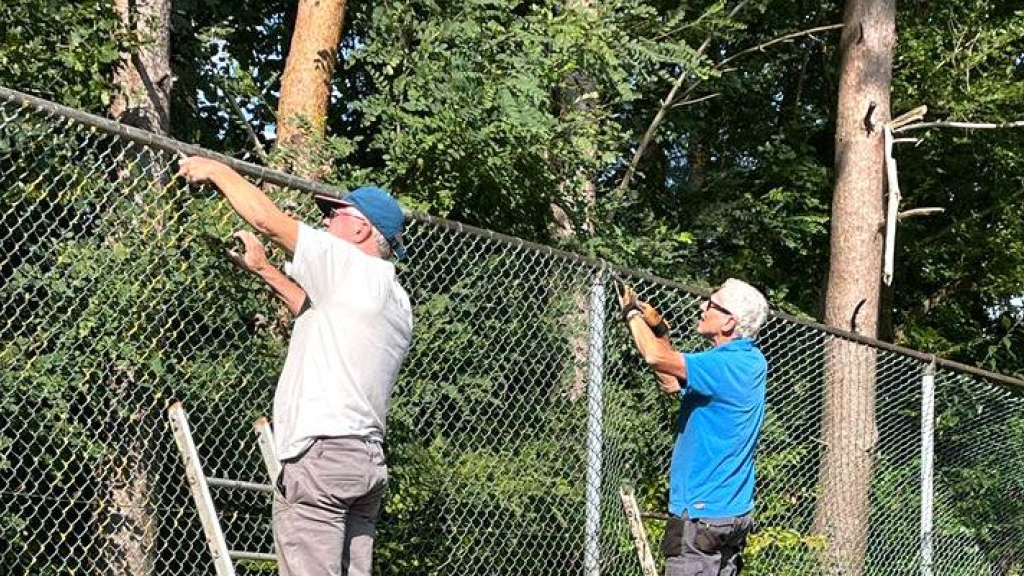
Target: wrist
220 174
264 270
634 313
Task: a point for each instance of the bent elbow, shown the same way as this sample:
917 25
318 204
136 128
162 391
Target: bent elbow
654 360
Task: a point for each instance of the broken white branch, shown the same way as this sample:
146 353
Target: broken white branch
908 117
964 125
912 213
917 212
893 208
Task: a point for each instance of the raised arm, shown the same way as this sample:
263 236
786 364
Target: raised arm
247 200
659 354
254 260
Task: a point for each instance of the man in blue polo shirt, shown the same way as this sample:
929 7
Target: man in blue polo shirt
722 405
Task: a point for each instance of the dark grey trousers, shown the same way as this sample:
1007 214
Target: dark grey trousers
706 546
326 507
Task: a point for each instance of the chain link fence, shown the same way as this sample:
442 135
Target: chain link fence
520 412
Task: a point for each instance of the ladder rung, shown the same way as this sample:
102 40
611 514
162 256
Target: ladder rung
199 485
241 555
239 484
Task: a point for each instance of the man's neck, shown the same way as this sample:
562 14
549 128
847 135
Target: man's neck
722 339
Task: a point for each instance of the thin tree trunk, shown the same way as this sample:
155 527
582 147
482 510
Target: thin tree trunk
852 300
581 192
700 160
578 100
130 522
792 93
144 83
305 97
306 85
144 80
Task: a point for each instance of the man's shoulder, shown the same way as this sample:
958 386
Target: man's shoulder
737 358
745 348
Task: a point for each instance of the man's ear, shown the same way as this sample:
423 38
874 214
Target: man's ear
364 232
730 325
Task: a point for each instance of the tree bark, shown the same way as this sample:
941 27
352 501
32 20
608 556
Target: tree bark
852 299
144 82
577 99
792 93
306 85
144 79
700 160
581 194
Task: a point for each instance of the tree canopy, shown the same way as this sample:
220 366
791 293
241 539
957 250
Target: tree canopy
459 107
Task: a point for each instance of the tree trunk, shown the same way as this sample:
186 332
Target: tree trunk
792 93
852 299
577 99
700 160
130 521
305 98
144 82
306 86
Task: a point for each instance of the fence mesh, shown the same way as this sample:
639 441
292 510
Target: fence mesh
521 409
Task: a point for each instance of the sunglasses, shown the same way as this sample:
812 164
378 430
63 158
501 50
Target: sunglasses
348 211
710 304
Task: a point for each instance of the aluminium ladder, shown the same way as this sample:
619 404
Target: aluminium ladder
199 485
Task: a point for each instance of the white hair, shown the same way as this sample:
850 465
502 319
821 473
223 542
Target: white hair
746 304
383 246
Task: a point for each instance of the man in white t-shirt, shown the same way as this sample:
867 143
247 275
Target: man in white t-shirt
353 328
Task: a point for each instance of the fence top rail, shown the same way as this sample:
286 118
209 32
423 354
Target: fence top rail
602 269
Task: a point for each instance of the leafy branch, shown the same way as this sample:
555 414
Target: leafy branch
672 101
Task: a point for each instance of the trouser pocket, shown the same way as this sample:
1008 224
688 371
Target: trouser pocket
672 543
710 537
717 535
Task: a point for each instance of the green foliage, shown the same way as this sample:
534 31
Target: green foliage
783 551
477 438
119 300
964 61
64 51
489 111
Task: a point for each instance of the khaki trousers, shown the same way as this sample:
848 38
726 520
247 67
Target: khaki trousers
326 506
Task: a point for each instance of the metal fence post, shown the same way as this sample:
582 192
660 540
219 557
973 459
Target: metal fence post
595 426
927 466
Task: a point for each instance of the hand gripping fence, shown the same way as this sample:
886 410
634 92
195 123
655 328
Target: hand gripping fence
519 415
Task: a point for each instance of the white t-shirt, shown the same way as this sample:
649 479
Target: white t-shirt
345 349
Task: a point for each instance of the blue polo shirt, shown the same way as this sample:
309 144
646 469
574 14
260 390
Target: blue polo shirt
720 416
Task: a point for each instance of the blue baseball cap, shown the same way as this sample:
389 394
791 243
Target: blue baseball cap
379 207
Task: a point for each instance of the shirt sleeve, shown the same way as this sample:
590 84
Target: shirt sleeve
320 264
702 372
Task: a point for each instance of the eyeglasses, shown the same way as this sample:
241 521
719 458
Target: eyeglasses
710 304
348 211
